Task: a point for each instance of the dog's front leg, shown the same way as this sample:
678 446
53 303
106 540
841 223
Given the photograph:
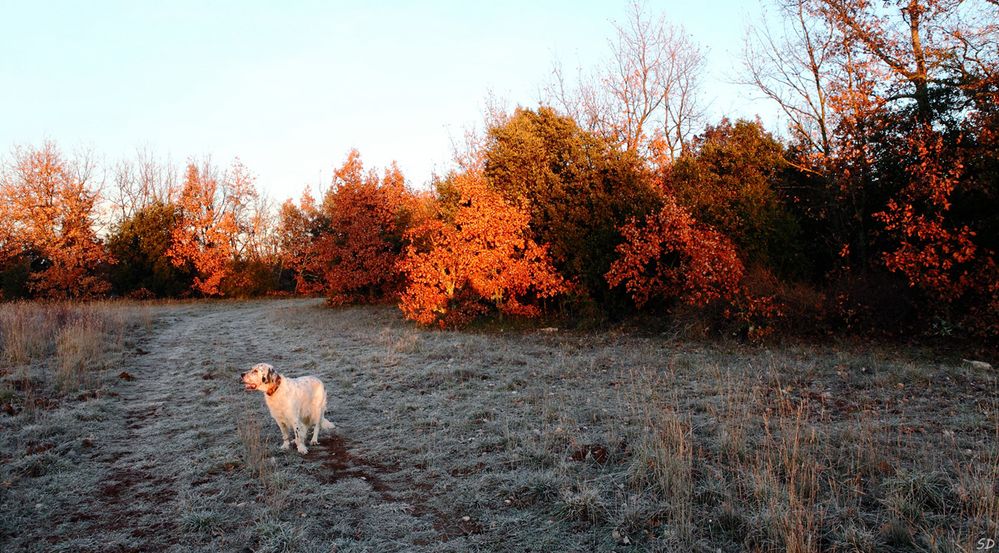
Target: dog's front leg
284 435
300 433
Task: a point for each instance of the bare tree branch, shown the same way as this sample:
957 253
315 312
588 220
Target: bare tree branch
646 97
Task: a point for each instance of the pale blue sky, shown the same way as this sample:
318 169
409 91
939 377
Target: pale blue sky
290 87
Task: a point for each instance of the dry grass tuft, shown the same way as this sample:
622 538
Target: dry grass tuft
26 331
581 503
258 460
82 347
977 493
71 343
663 456
787 470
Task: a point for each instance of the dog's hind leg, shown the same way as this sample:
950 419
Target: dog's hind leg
315 434
321 412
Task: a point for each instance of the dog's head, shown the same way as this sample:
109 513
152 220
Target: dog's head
259 376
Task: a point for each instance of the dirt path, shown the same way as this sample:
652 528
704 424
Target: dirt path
165 421
180 408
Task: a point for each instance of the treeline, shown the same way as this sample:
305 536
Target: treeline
73 230
877 211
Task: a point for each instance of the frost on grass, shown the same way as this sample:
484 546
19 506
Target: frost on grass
493 441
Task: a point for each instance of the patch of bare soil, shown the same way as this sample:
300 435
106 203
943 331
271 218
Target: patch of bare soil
338 463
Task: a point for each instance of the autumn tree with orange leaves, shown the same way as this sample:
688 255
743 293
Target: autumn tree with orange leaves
921 73
933 254
213 227
367 218
47 204
892 106
939 255
474 258
348 247
299 226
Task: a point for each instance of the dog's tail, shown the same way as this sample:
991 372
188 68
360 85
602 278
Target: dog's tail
327 425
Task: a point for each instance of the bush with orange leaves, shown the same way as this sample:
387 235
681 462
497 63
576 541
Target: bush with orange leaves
937 253
934 254
670 256
367 217
473 258
349 246
299 226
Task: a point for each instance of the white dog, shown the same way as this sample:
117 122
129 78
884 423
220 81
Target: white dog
295 403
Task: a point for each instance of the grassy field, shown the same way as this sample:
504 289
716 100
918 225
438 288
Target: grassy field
124 428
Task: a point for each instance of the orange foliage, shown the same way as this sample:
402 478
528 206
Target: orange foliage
213 225
298 226
349 246
48 210
934 254
479 258
367 217
672 256
9 236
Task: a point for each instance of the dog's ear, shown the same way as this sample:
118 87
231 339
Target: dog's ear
268 374
263 370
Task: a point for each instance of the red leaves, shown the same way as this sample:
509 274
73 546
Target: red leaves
671 256
365 215
348 247
933 253
480 259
